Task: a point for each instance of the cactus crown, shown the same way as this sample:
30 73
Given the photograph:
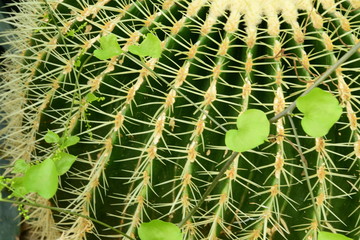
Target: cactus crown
152 128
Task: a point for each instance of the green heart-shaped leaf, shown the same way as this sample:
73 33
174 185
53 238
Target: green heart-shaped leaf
321 111
159 230
331 236
42 179
253 130
109 47
151 47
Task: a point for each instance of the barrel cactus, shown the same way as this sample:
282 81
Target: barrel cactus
152 126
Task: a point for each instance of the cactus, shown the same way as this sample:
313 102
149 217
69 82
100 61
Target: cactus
152 129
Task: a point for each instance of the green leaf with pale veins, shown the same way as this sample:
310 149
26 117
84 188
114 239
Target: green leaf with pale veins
253 130
321 111
51 137
63 162
18 184
331 236
91 97
109 47
20 166
42 179
151 47
69 141
159 230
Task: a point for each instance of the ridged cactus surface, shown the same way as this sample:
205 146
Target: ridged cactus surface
152 130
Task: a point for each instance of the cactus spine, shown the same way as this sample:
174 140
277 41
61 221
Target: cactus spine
153 140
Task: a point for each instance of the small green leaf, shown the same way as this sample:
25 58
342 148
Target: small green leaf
321 111
20 166
18 184
77 63
159 230
253 130
151 47
69 141
331 236
42 179
63 162
90 97
51 137
109 47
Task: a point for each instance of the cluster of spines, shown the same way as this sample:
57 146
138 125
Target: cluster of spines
141 179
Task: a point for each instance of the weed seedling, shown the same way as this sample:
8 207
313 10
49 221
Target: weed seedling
43 177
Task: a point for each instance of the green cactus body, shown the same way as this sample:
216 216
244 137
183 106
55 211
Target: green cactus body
153 140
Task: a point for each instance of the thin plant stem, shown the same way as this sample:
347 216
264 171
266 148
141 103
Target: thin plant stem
303 162
210 188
